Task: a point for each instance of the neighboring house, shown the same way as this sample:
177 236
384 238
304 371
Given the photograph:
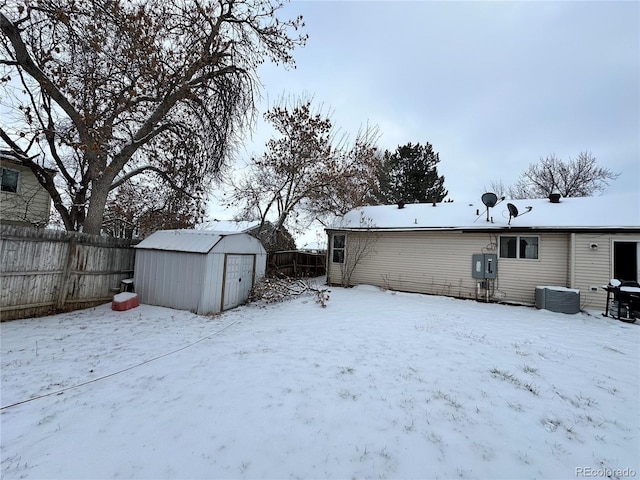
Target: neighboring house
452 249
23 201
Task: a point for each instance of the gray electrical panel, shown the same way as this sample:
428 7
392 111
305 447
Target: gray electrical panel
484 265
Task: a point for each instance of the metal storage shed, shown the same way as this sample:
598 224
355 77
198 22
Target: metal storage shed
198 270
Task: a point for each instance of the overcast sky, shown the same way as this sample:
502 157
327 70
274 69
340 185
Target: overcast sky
493 86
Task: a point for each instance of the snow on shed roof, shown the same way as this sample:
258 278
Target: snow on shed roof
609 211
192 241
229 225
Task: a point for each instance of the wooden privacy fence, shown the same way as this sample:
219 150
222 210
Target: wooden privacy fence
44 271
293 263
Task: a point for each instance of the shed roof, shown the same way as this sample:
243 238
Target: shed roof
229 225
615 211
192 241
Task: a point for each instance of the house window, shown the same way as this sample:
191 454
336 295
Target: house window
338 248
518 246
10 180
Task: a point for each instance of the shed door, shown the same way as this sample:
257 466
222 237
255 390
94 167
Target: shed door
238 280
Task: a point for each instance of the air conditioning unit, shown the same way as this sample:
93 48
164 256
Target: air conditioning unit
558 299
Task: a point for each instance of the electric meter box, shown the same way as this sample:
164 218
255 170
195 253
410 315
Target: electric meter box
484 265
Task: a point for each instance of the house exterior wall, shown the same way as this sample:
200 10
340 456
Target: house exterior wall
518 278
594 267
30 205
440 263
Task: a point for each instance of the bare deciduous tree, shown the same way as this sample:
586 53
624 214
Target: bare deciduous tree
579 177
497 187
106 90
138 208
306 173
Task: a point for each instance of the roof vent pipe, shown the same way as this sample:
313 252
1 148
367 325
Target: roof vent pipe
400 204
555 197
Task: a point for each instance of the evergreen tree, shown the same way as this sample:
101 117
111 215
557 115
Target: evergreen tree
410 175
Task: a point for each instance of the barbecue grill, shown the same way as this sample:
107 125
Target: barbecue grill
623 300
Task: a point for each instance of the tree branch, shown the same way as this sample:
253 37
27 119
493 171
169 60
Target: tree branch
23 58
147 168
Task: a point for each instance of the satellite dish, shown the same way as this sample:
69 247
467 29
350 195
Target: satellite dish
513 212
489 199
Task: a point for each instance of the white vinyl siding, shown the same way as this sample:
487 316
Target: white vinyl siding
440 263
594 267
415 262
518 278
30 205
10 179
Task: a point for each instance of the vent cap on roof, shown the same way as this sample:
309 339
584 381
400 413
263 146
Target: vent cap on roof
554 197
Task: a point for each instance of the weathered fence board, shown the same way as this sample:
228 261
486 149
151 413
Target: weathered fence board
296 264
45 271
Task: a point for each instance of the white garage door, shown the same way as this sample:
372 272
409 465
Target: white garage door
238 280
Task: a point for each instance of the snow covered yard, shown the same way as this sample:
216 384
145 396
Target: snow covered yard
376 385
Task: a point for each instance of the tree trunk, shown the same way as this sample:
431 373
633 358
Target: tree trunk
97 202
